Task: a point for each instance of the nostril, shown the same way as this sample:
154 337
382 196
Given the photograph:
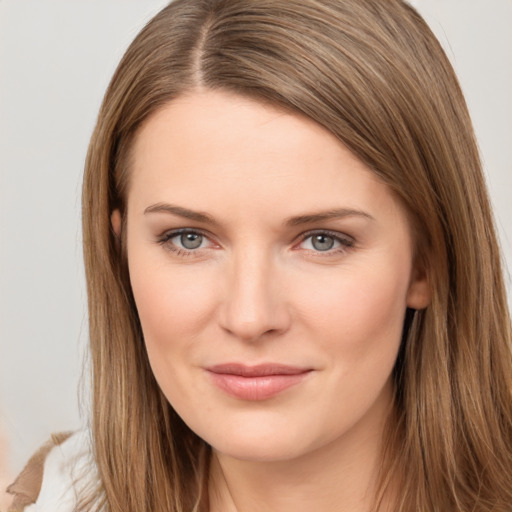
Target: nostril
252 307
256 329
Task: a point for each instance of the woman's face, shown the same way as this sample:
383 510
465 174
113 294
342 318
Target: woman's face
271 272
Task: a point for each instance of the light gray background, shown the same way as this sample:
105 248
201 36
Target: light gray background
56 58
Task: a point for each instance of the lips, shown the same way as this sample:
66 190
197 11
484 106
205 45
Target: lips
258 382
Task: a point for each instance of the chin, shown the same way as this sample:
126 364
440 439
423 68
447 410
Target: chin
253 450
261 441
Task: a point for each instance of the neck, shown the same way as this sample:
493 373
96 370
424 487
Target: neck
340 476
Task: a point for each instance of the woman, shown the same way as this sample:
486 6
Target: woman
295 293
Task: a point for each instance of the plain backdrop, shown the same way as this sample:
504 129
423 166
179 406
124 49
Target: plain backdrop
56 58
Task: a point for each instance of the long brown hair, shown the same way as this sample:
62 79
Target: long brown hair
373 74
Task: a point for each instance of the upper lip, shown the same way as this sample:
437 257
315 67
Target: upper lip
259 370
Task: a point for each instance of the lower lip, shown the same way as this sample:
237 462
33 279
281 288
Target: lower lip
256 388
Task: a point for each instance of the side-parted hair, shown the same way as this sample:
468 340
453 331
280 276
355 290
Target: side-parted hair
373 74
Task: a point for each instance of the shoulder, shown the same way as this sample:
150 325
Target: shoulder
51 479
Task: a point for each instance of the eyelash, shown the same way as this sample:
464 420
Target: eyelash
165 239
345 242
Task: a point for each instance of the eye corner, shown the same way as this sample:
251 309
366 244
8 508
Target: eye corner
175 241
326 243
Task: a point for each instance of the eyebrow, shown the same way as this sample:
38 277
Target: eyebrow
337 213
180 212
309 218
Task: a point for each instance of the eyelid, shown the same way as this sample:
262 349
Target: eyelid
167 235
335 234
345 240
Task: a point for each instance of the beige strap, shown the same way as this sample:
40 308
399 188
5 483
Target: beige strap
27 486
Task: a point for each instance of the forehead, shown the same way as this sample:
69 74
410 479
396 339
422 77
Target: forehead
205 148
213 125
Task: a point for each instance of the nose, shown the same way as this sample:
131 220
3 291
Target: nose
254 305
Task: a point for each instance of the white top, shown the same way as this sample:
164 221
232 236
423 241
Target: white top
67 470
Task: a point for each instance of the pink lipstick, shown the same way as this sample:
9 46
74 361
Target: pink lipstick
256 382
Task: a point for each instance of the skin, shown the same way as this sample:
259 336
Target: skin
258 290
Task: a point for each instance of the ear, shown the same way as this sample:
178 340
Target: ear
116 221
419 294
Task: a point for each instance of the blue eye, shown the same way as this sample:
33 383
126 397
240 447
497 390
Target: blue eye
184 241
325 242
190 241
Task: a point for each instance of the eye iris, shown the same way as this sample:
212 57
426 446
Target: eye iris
191 240
322 242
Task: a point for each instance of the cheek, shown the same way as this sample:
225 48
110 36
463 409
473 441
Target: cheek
174 303
360 309
356 322
174 308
